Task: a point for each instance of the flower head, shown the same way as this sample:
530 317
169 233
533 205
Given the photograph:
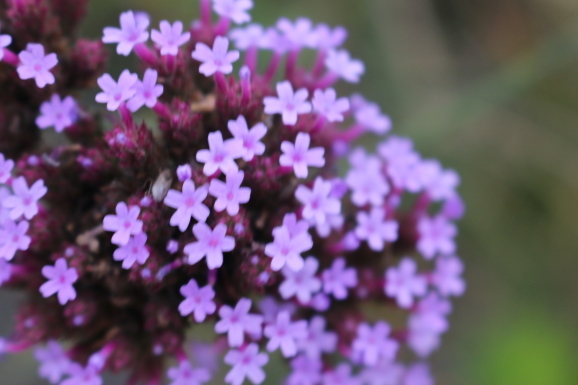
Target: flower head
134 250
197 300
217 59
189 204
132 31
210 243
57 113
230 194
236 322
60 281
251 139
300 156
114 93
124 224
146 92
170 37
235 10
288 103
246 363
25 200
221 154
34 64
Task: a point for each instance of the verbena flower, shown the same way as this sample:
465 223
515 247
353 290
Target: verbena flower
58 113
170 37
132 31
35 64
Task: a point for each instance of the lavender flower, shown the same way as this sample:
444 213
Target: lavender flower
116 93
197 300
13 238
132 31
34 64
210 243
230 194
341 375
236 322
54 362
57 113
300 156
133 251
340 63
189 204
318 340
288 103
287 249
326 104
147 91
79 375
60 281
216 59
337 279
436 235
318 204
373 344
251 139
24 201
185 374
170 37
247 363
5 271
124 224
404 283
6 166
375 229
305 371
221 154
235 10
447 276
284 334
302 283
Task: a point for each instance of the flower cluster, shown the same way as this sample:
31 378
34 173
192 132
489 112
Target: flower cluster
226 211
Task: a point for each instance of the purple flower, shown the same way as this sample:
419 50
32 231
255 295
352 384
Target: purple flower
373 345
13 238
82 376
5 271
197 300
340 376
147 91
235 10
270 308
375 229
299 156
25 200
221 154
326 104
368 115
5 41
287 249
284 334
427 323
298 34
124 224
384 373
366 179
339 63
440 184
185 374
447 276
246 363
436 235
210 243
116 93
404 283
54 362
328 38
35 65
189 203
337 279
317 341
60 280
6 166
132 31
184 172
288 103
251 138
250 36
57 113
302 283
418 374
318 202
306 371
402 163
236 322
230 194
216 59
170 38
134 250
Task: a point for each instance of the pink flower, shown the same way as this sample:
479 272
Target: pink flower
436 236
216 59
402 163
250 36
337 279
317 202
189 203
251 138
134 250
230 194
35 65
302 283
236 322
368 115
404 283
221 155
13 238
210 243
125 223
447 276
147 91
170 38
341 375
54 363
299 156
317 341
185 374
328 38
79 375
116 93
326 104
57 113
60 280
288 104
284 334
5 271
375 229
197 300
298 34
341 64
306 371
440 184
373 345
133 30
246 364
6 166
5 41
25 200
367 183
287 248
235 10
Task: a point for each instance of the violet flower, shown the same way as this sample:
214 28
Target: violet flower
185 374
24 202
132 31
217 59
246 363
34 64
170 37
60 281
189 204
197 300
146 92
288 103
124 223
230 194
210 243
251 139
58 113
134 250
236 322
115 93
300 156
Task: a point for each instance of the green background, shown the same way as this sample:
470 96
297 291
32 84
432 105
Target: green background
491 88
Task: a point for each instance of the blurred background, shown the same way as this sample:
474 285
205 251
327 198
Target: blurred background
490 87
